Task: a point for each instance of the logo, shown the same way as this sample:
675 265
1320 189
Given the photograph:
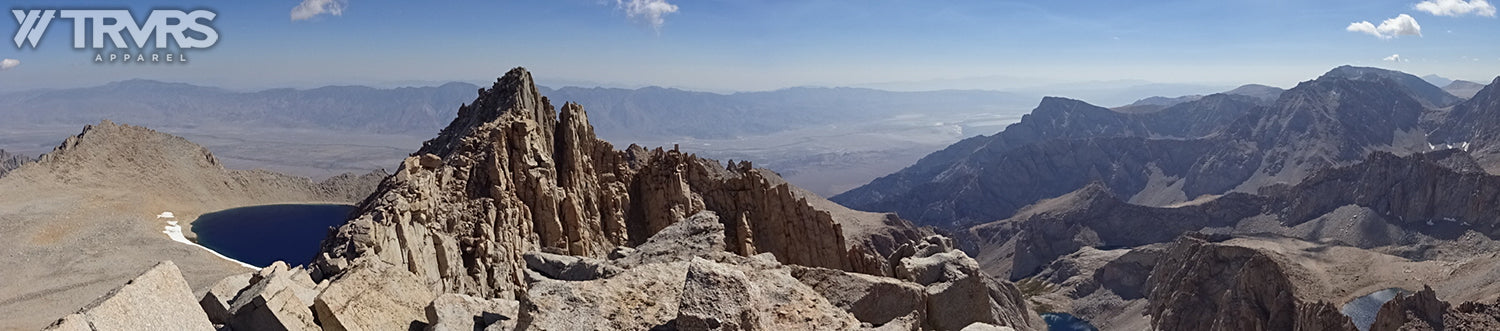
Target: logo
116 37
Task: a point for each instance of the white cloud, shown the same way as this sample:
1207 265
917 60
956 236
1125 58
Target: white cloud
1457 7
1403 25
6 64
650 11
312 8
1395 58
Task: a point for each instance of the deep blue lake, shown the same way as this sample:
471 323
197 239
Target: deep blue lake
1362 309
260 235
1066 322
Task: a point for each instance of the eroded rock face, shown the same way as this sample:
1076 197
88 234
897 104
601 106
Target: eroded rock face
1424 311
512 174
1201 285
158 299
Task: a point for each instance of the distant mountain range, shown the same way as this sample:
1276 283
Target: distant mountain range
159 104
619 113
1210 146
622 114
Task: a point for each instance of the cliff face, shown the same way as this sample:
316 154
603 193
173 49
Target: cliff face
1421 193
512 174
1424 311
1201 285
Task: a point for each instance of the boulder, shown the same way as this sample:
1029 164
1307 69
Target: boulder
958 294
872 299
698 235
640 298
281 310
458 312
277 299
158 299
566 267
216 301
373 295
716 297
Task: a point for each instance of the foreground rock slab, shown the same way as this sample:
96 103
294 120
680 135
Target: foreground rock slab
374 296
158 299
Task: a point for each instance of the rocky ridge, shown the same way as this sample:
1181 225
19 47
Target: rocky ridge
1047 154
503 222
1331 121
682 278
1401 205
512 174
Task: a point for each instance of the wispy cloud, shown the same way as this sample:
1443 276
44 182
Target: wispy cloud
652 12
1403 25
6 64
312 8
1457 7
1395 58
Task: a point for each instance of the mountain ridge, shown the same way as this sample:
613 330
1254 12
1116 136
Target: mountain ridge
1329 121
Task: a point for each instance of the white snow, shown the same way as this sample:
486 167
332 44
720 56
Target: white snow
174 232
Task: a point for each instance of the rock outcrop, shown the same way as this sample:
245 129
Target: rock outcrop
512 175
1424 311
1201 285
10 161
458 312
672 281
682 278
158 299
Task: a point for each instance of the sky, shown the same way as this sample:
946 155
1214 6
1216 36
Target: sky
741 45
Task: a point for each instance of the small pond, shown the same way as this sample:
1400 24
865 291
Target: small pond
1066 322
259 235
1362 309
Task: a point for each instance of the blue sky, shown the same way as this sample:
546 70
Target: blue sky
736 45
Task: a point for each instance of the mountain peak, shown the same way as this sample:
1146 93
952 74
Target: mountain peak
1463 88
515 92
1429 95
1436 80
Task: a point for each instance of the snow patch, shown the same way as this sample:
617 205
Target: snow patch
1460 146
174 232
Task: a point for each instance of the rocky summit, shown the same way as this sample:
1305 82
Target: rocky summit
516 217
